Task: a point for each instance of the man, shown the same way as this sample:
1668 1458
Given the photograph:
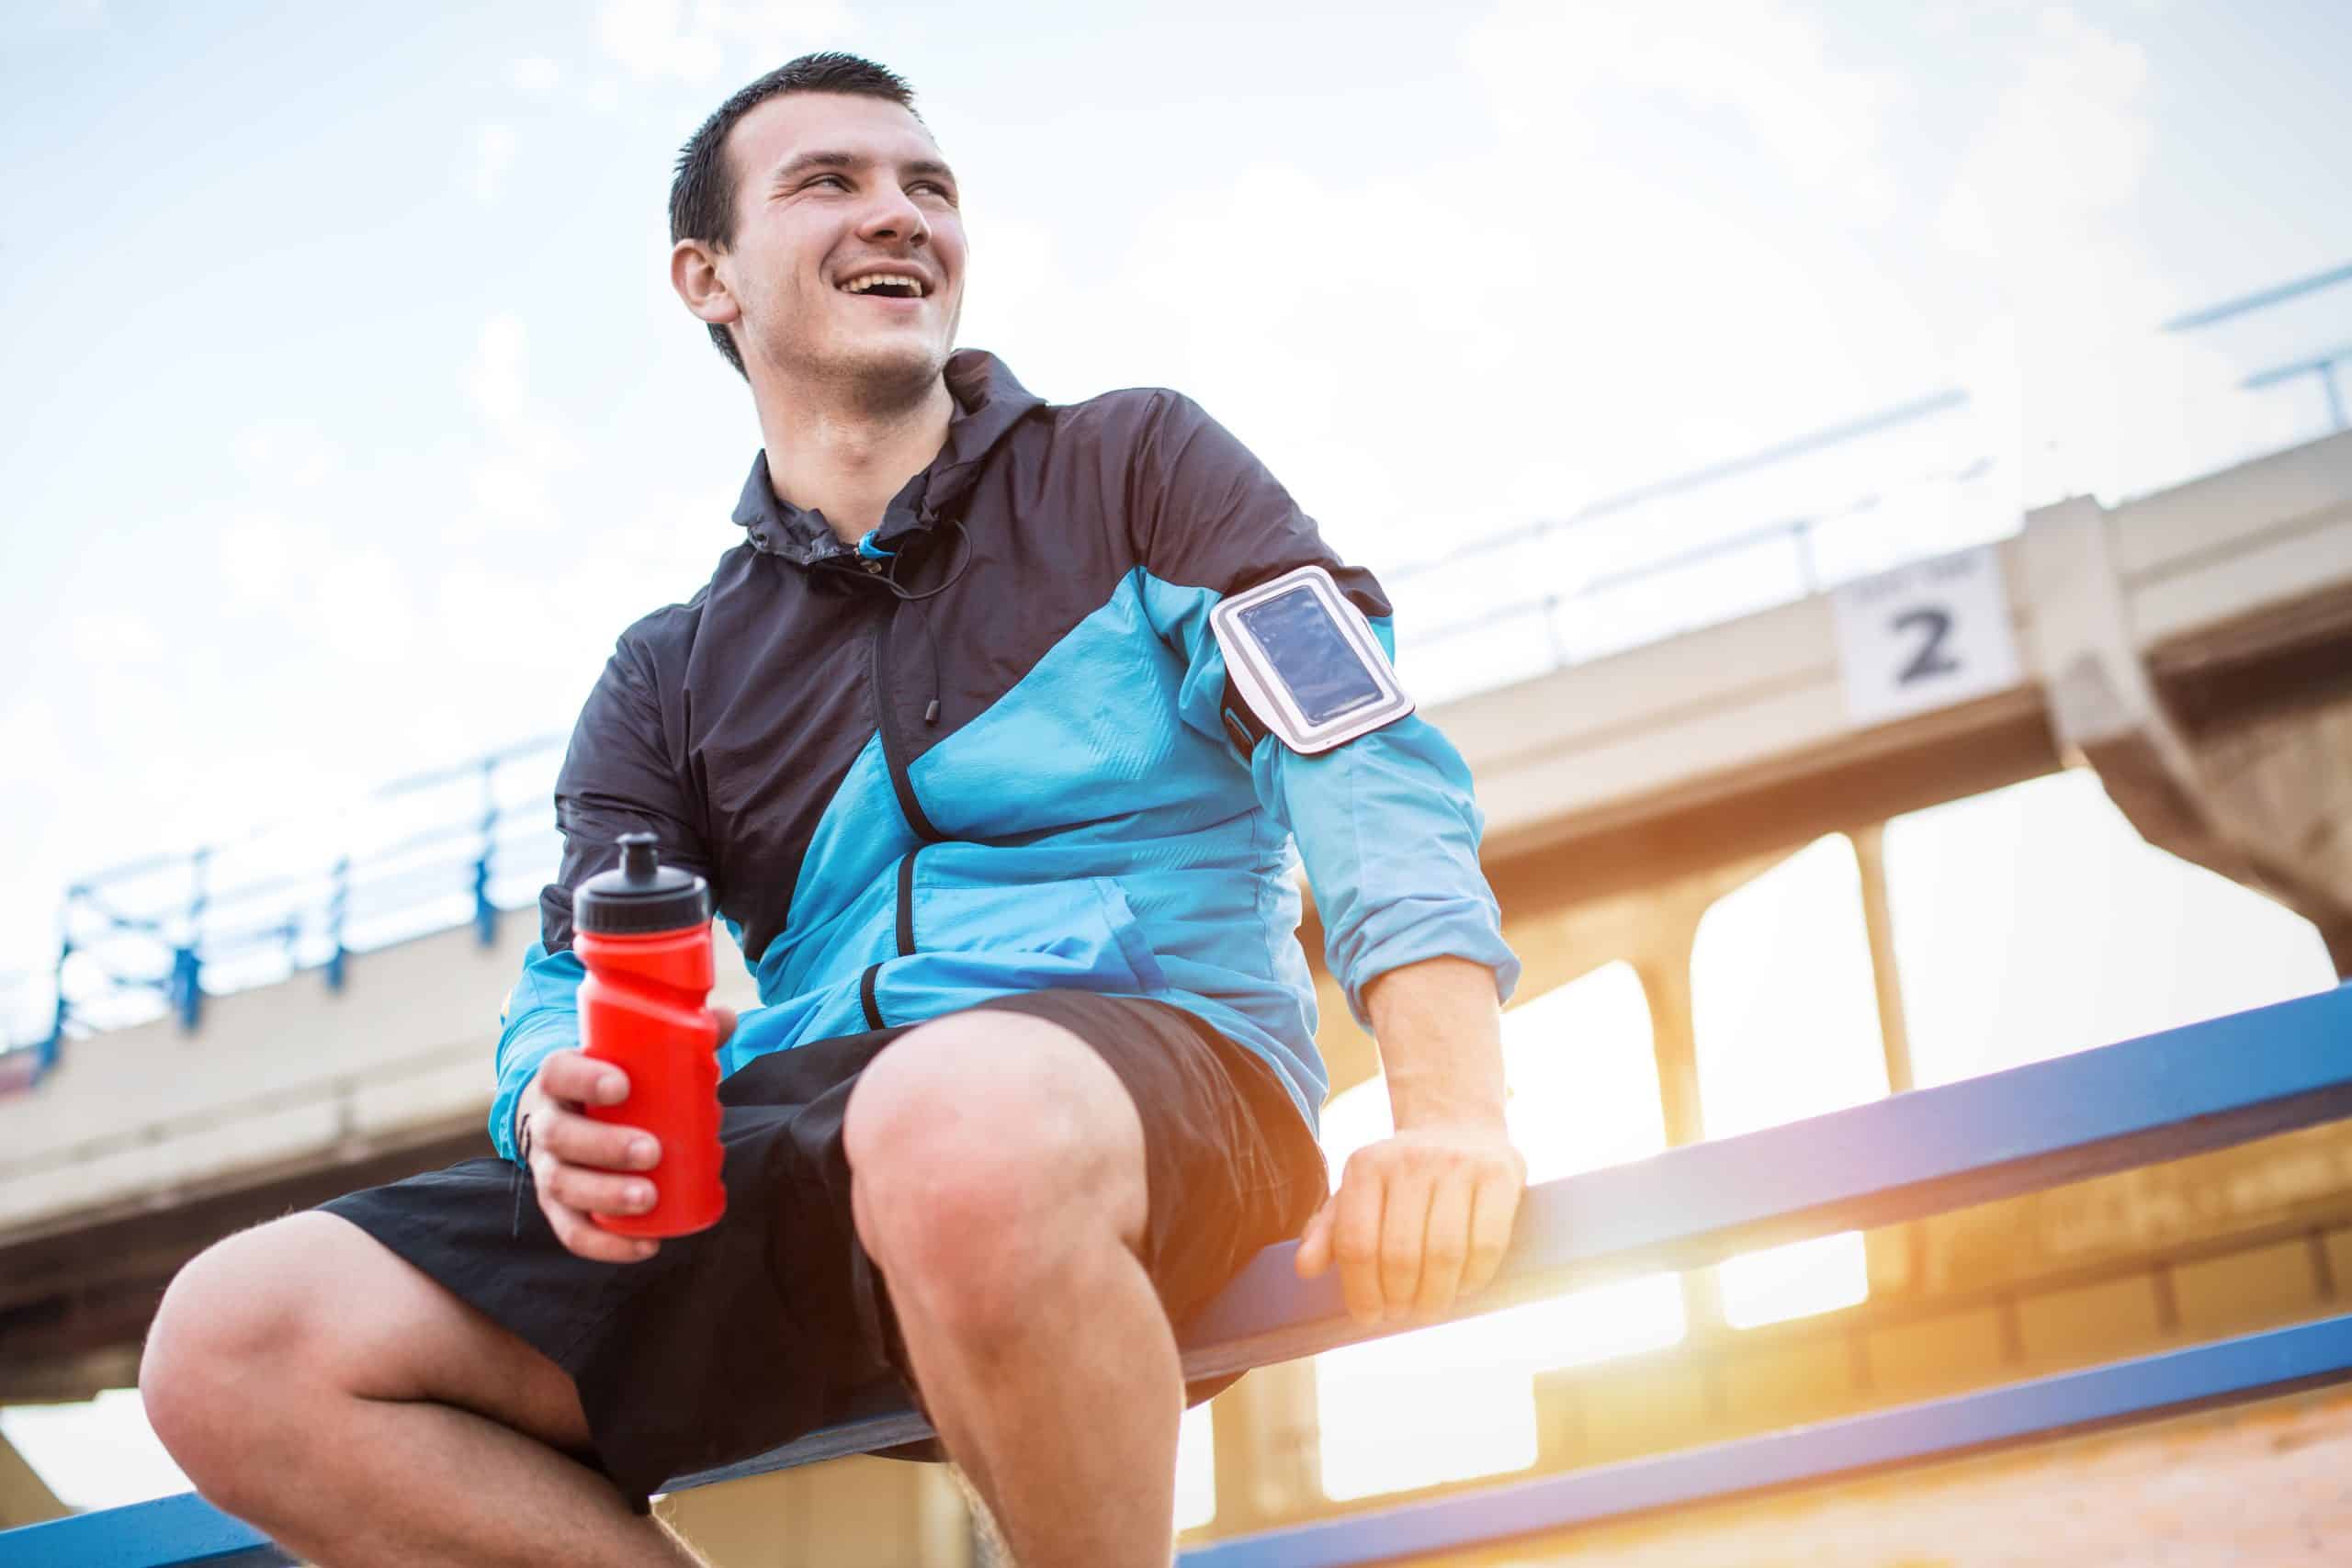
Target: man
951 734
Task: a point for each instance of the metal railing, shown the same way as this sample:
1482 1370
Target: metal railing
129 951
2320 367
158 935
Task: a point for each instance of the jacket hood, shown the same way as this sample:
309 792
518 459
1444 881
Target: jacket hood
988 404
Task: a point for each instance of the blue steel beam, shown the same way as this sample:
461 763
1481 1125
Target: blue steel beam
2231 1371
184 1530
2181 1092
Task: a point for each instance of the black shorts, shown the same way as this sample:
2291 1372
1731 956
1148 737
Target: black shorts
740 1339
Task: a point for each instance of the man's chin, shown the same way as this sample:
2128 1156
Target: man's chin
886 370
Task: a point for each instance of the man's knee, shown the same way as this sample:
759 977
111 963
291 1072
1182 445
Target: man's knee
989 1150
231 1335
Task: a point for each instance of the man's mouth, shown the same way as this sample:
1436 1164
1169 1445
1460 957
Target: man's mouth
886 286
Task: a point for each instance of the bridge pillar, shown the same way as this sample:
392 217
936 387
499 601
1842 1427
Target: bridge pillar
1664 969
1269 1449
2263 799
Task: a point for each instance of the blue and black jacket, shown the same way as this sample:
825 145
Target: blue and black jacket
992 749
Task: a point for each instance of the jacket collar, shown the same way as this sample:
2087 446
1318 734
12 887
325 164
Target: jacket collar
989 402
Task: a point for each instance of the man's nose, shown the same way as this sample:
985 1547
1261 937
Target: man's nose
893 216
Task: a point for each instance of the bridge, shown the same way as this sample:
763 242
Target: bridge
317 1025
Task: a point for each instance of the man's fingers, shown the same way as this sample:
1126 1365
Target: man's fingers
593 1192
1446 1246
1403 1225
581 1079
584 1238
1355 1238
727 1022
569 1138
1491 1215
1314 1253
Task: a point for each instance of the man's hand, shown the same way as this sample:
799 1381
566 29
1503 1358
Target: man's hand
578 1165
1419 1221
1422 1219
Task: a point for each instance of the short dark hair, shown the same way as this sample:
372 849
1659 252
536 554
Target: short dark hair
702 193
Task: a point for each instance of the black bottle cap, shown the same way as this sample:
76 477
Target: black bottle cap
640 894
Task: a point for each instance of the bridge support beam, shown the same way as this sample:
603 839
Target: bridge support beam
2266 802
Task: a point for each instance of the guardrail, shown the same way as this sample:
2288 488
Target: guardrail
126 952
2320 367
166 929
2207 1086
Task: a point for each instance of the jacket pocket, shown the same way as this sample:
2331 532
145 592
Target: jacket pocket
1080 933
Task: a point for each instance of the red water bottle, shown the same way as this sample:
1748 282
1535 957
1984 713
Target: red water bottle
643 932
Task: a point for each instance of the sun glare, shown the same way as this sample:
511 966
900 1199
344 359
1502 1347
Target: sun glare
1457 1401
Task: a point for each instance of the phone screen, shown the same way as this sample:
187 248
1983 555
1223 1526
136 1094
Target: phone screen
1325 676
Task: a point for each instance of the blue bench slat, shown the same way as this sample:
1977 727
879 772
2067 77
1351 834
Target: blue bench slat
2229 1371
2183 1091
168 1531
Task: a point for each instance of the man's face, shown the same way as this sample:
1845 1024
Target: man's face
832 189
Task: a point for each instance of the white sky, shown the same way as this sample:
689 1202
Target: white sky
352 416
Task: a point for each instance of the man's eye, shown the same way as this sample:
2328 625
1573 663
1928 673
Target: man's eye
821 179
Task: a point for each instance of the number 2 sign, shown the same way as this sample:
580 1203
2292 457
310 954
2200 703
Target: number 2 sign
1925 636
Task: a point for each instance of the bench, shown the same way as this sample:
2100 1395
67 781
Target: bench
2166 1096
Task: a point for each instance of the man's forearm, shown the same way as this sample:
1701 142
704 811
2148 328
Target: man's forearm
1440 1032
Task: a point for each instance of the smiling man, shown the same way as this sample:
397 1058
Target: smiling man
993 738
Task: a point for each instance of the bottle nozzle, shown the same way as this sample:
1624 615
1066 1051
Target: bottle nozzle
641 894
640 856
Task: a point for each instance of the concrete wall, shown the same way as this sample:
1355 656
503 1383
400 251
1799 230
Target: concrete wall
874 1513
276 1074
24 1497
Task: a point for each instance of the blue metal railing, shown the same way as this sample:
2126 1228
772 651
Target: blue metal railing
122 957
125 946
2209 1086
2320 367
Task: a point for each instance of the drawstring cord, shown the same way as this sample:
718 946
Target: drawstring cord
521 1166
889 579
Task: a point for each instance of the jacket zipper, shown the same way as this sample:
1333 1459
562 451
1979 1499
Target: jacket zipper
894 759
894 747
905 934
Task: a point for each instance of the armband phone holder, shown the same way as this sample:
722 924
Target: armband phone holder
1306 663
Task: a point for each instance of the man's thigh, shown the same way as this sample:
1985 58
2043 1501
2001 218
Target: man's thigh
722 1344
1231 1166
411 1338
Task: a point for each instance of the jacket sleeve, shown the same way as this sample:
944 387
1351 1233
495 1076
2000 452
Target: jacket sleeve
1386 824
617 778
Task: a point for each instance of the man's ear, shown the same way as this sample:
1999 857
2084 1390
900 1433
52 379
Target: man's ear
694 273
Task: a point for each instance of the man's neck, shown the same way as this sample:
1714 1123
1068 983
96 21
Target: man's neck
847 460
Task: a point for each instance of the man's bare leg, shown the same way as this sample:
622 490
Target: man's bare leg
999 1184
297 1372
